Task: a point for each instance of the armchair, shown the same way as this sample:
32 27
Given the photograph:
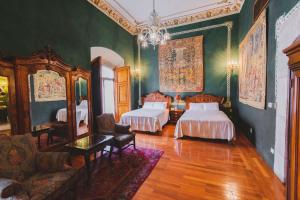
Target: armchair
58 129
26 173
106 125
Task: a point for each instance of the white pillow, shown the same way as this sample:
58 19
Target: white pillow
211 106
197 106
148 105
159 105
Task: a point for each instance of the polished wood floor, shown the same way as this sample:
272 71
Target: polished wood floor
203 169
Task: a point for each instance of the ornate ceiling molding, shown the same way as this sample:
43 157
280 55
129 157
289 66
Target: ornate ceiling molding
104 7
133 28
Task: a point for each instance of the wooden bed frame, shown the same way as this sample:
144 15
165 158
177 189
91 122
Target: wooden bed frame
157 96
203 98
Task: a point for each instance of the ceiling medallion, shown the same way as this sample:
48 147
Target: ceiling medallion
153 33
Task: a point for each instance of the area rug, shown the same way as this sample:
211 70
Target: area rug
120 178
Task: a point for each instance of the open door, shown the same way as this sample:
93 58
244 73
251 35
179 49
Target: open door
122 91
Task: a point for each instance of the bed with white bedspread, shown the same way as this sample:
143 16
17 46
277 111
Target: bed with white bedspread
152 116
205 120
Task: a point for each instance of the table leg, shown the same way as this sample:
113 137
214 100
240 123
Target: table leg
87 165
39 141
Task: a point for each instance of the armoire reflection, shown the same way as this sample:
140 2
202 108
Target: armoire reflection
81 98
5 126
48 107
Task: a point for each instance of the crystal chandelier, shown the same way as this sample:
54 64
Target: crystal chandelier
154 33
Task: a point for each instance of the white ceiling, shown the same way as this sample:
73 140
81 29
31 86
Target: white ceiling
138 11
131 14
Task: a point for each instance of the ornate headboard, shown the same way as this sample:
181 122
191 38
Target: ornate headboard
203 98
157 97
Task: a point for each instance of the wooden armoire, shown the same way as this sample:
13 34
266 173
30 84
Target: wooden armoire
293 182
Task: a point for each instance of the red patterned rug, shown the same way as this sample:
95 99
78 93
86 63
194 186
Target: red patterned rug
121 178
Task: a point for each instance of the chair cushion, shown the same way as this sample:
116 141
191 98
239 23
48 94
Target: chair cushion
50 185
124 138
17 156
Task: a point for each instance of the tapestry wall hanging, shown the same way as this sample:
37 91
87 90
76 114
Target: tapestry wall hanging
252 73
181 65
49 86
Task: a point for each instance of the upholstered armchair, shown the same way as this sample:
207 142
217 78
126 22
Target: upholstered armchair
26 173
123 136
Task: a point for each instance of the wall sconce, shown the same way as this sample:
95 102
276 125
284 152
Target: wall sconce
136 72
233 65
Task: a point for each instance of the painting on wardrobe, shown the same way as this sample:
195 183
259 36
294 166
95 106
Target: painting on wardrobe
49 86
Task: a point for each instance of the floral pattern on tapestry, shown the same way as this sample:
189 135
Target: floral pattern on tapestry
181 65
252 73
49 86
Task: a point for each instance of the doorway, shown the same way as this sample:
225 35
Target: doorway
108 97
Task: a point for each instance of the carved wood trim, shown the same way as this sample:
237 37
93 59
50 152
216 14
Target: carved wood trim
293 52
203 98
157 96
293 180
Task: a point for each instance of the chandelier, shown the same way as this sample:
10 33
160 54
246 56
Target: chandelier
154 33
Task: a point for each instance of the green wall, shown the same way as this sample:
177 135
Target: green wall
70 27
214 46
263 121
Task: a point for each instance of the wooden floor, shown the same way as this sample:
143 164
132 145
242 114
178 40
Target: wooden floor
201 169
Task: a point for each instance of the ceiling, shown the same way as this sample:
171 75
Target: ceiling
131 14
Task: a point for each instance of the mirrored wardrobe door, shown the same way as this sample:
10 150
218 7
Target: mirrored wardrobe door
82 106
8 119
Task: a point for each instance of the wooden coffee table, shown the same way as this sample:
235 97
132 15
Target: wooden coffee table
90 144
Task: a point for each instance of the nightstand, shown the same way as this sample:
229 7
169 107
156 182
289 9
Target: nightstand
175 115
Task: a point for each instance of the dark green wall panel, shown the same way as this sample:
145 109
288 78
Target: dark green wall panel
70 27
263 121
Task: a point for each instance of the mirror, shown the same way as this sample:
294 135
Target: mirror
5 126
48 107
81 98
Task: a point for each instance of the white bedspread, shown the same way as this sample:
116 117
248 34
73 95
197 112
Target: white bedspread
144 119
205 124
61 114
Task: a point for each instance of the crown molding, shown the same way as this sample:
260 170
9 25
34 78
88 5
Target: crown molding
134 28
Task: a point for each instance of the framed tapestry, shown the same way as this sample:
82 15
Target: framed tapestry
49 86
181 65
252 73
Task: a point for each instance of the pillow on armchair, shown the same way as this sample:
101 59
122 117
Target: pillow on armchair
17 156
9 187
